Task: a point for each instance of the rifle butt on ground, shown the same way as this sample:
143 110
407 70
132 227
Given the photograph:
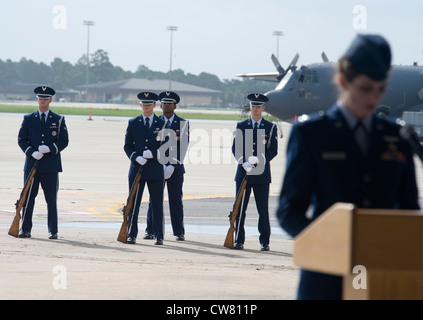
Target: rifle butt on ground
229 241
14 228
123 233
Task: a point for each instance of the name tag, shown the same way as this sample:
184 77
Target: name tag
334 155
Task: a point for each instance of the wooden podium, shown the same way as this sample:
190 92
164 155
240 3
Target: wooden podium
385 247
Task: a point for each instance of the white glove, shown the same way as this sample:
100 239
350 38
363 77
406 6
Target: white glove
253 160
247 166
43 149
147 154
37 155
169 171
142 161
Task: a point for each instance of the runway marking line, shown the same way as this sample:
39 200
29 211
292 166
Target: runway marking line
112 207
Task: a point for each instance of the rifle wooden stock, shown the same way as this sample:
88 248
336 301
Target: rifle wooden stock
14 228
123 233
229 241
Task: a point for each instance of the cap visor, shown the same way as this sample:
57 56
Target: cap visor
147 102
168 101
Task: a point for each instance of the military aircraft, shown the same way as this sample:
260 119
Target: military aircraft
311 88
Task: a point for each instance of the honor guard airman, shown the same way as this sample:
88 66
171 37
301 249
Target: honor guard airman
348 154
42 137
255 144
175 147
142 141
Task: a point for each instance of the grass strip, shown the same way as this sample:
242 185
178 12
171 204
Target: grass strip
119 112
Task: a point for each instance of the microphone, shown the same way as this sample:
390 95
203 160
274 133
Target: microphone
407 132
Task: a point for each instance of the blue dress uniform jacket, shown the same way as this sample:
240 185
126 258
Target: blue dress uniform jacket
181 128
136 142
269 141
55 136
325 165
259 179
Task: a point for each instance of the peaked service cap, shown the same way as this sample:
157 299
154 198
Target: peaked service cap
371 55
257 99
169 97
148 97
44 92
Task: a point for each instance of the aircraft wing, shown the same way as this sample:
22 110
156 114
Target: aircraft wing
270 76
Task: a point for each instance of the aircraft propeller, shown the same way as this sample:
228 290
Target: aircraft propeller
325 57
281 70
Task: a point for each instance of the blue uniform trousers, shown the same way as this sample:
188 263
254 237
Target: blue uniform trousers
50 184
176 207
261 196
155 189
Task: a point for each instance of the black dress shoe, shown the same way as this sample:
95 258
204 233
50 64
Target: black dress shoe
238 246
158 242
148 236
52 236
130 240
24 234
181 237
264 247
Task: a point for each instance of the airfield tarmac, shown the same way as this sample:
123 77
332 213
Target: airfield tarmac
87 262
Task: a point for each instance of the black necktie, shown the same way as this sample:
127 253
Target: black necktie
43 120
362 136
255 139
147 125
167 126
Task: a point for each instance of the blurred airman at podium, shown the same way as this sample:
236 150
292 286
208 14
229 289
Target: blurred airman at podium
348 154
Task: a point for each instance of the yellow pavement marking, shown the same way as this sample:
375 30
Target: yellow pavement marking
112 207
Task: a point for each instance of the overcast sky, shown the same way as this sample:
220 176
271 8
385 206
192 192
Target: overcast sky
222 37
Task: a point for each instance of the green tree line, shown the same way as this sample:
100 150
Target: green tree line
65 75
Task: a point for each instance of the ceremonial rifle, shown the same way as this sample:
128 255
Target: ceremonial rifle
14 228
229 241
123 233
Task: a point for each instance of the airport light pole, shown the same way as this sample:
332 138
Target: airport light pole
171 29
88 24
277 34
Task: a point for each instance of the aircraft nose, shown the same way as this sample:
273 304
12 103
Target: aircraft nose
275 104
272 97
